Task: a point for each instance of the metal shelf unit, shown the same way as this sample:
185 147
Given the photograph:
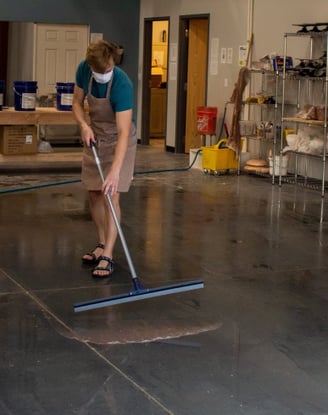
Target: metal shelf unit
264 82
287 77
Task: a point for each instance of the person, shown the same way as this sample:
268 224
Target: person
109 94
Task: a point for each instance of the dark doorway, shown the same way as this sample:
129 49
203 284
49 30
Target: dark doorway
154 81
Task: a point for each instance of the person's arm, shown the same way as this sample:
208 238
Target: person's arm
123 124
78 110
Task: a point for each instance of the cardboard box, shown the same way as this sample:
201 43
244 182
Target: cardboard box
18 139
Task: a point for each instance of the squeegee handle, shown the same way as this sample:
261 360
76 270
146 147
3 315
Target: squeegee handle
114 214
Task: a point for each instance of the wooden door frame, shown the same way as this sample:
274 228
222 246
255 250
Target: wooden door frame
146 79
182 80
4 27
146 75
180 126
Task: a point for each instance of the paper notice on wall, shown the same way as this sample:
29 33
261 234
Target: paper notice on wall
223 55
215 47
214 67
95 37
214 56
229 55
173 62
242 55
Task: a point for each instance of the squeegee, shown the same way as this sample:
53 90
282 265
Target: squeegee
139 292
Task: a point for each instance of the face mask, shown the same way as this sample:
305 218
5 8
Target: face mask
102 78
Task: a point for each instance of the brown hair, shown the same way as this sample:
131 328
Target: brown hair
99 53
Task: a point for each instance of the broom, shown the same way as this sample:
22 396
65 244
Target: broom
236 99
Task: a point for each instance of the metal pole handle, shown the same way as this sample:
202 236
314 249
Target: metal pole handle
117 223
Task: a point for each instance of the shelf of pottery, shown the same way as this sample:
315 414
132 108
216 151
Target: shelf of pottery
285 113
258 125
305 89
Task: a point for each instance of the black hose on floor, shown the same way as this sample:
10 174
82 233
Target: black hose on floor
39 186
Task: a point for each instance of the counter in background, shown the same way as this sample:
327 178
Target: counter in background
41 116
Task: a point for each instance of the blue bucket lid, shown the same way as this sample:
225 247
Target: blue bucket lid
66 84
26 84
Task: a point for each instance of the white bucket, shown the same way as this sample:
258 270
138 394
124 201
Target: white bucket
278 165
195 157
244 156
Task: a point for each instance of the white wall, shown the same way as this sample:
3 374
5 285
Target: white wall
227 23
231 21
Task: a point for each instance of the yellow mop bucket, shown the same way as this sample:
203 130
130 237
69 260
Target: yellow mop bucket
219 157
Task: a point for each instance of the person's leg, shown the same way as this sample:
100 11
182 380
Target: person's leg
97 210
104 267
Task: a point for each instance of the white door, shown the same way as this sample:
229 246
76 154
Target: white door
58 51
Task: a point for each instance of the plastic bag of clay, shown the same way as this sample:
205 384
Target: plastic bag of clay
309 112
44 147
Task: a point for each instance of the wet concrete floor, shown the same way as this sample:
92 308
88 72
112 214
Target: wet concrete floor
253 341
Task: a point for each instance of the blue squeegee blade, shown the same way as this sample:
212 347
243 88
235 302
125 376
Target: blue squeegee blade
138 295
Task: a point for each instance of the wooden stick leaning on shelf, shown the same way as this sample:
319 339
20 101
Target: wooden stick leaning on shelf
236 99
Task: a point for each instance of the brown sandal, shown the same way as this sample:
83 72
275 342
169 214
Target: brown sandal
94 259
109 268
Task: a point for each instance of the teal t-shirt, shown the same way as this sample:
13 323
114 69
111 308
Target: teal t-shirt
121 93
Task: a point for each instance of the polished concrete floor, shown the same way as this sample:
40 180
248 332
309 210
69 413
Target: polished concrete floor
254 341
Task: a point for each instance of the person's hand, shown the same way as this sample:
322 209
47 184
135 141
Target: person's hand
110 184
87 135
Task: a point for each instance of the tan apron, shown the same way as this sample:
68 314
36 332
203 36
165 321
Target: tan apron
103 124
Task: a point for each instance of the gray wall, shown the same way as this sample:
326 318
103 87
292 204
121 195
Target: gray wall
228 25
117 20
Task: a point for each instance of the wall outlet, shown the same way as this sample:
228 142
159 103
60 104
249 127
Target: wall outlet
225 83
